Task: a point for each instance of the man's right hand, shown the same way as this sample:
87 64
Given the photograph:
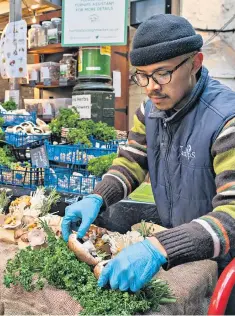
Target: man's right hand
86 210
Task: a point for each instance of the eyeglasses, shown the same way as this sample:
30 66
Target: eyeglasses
161 77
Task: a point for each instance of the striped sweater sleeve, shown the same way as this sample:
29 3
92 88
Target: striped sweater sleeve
130 168
213 235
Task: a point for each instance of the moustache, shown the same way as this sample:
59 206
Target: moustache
156 94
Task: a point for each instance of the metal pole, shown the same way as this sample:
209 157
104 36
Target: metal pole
15 14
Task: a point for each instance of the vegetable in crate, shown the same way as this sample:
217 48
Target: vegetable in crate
86 125
76 136
6 158
1 121
1 130
104 132
9 105
100 165
66 118
2 134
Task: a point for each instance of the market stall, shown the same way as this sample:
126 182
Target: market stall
56 143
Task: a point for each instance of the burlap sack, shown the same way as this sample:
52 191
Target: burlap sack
193 284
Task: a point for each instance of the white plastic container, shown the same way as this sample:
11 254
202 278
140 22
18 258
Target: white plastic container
49 70
33 72
47 108
34 36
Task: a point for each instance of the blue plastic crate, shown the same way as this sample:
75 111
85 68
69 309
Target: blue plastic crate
24 140
16 119
113 144
67 181
26 177
75 154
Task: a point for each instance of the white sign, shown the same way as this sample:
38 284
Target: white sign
94 22
83 105
117 83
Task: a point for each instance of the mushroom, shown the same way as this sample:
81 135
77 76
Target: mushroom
81 252
28 220
25 237
18 233
36 237
99 267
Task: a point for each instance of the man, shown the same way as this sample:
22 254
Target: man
185 137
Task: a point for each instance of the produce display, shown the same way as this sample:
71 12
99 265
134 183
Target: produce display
57 265
30 128
12 116
26 214
80 131
85 141
6 158
66 180
9 105
66 118
99 244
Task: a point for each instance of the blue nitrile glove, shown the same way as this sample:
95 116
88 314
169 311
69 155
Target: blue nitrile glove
86 210
133 267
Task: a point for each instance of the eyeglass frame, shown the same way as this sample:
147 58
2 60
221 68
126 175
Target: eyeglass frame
168 71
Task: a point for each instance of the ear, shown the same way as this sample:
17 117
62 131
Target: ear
197 63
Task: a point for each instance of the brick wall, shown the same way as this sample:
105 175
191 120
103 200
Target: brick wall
211 14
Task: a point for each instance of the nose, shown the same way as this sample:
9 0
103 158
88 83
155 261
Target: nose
153 85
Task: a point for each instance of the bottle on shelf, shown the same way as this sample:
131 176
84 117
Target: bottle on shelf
54 33
46 26
34 36
68 66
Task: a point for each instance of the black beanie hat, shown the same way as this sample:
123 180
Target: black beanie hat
162 37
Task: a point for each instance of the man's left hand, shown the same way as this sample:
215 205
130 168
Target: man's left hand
133 267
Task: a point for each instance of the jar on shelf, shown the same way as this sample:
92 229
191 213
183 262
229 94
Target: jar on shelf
34 36
54 33
68 66
46 25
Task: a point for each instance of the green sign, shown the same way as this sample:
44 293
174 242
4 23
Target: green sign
94 22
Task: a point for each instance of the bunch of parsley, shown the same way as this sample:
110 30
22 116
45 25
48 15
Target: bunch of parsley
100 165
58 266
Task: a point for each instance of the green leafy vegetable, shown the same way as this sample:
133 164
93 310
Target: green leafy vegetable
87 126
104 132
100 165
1 121
6 158
9 105
58 266
76 136
67 118
2 134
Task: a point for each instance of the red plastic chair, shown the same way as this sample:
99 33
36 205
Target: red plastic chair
223 290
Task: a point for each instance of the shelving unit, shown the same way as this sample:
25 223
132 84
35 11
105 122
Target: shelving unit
50 49
54 84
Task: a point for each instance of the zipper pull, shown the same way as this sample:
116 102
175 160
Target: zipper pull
164 123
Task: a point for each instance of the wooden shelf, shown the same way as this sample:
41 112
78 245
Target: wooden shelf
50 49
54 84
